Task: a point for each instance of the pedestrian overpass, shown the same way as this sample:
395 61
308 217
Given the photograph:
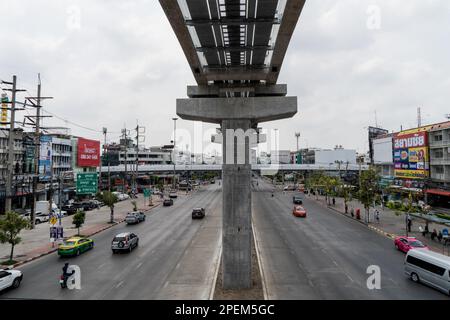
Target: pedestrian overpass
263 168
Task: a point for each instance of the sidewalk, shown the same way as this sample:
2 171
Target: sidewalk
391 223
36 243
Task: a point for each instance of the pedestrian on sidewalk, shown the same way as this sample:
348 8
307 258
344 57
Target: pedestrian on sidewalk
346 208
334 201
408 222
377 216
352 212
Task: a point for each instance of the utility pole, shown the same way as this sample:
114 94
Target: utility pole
36 103
125 137
105 131
139 134
10 173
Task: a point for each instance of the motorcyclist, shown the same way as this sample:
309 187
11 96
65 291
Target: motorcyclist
66 274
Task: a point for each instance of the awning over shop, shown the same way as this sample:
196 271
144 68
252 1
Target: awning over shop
438 192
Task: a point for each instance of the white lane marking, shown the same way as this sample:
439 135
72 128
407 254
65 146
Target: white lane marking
139 265
177 266
350 278
100 266
119 284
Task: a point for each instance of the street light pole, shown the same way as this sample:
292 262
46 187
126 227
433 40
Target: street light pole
174 145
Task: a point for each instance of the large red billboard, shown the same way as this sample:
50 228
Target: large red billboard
88 153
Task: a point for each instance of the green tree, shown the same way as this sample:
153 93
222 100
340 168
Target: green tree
110 199
369 189
78 219
10 226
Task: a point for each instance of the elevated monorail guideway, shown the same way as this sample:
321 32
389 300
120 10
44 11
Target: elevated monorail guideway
235 49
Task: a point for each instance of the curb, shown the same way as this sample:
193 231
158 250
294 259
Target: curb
216 272
55 249
261 271
370 227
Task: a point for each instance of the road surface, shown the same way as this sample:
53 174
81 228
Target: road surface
326 255
174 260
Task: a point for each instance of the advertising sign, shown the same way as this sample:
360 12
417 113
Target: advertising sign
4 111
373 134
87 183
88 153
45 157
411 160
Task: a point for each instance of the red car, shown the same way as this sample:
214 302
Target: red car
299 212
405 244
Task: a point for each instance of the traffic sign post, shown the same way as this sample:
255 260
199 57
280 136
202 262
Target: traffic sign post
148 194
87 183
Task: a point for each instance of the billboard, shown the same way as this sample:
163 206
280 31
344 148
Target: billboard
88 153
373 134
411 160
45 157
382 150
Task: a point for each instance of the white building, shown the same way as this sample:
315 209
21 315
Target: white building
280 156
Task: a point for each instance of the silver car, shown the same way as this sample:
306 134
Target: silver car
126 241
132 218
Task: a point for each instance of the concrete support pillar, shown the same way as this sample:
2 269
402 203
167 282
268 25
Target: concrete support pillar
236 207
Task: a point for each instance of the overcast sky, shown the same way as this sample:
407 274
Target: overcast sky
351 63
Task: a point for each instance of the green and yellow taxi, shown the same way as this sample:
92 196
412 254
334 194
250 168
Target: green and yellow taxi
75 246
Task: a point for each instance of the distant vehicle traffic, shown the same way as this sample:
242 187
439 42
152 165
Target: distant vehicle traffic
121 196
430 268
173 195
125 241
132 218
289 188
167 202
299 212
297 200
405 244
75 246
198 213
10 279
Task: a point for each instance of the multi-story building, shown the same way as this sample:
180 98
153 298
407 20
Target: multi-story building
327 156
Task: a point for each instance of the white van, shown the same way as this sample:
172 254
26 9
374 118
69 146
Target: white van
43 206
430 268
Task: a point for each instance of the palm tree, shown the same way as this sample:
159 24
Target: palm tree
110 199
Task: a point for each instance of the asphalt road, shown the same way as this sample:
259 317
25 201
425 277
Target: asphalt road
164 240
326 255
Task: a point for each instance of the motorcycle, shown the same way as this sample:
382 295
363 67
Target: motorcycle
63 280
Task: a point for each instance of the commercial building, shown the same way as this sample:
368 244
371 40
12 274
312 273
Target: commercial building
280 157
416 160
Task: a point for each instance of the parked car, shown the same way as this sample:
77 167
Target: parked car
121 196
10 279
39 217
289 188
297 200
405 244
71 209
168 202
132 218
198 213
299 212
75 246
125 241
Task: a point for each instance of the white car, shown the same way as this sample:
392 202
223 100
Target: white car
10 278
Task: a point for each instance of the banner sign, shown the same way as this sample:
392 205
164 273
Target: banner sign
88 153
4 111
411 160
45 157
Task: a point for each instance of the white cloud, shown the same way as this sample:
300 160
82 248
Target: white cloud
124 63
